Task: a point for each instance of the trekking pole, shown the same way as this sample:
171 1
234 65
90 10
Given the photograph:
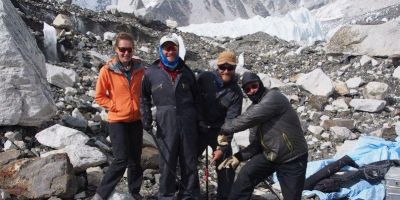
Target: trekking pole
206 173
165 159
269 187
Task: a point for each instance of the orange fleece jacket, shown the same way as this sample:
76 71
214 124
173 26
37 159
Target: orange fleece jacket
114 93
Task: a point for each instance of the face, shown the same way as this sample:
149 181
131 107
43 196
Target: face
124 51
170 51
226 72
251 88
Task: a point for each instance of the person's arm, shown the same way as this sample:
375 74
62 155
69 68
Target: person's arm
145 104
249 151
102 87
256 114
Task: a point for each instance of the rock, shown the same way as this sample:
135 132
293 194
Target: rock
341 87
365 60
9 156
81 156
315 130
97 59
94 176
58 136
13 135
81 195
366 40
355 82
121 196
348 123
61 77
317 83
340 105
24 92
109 36
318 102
74 122
345 148
397 128
9 145
375 90
63 22
150 158
38 178
368 105
270 82
342 133
396 73
70 91
4 195
83 123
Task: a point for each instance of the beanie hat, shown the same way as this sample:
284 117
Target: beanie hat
250 77
226 57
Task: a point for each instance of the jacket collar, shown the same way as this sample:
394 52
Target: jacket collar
115 65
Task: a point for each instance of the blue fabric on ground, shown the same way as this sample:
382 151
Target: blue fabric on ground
368 149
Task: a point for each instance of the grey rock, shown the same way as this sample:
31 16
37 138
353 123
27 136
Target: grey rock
396 73
354 82
94 176
24 92
81 156
60 77
342 133
58 136
348 123
366 40
150 158
316 82
368 105
4 195
13 135
375 90
9 156
63 22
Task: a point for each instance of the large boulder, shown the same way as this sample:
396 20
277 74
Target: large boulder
372 40
317 83
58 136
39 178
61 77
81 156
25 96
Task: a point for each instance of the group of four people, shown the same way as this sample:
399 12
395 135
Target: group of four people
193 113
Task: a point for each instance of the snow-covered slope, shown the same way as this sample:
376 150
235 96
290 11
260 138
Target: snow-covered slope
297 25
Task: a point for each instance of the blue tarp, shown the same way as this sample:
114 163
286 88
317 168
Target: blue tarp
368 149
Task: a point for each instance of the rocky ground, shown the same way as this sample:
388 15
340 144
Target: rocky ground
338 97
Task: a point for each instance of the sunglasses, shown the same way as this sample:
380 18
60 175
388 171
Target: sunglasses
170 48
125 49
249 87
226 67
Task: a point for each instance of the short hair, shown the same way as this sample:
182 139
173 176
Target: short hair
123 36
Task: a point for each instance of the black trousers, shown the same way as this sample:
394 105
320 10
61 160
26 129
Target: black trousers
208 137
126 140
291 177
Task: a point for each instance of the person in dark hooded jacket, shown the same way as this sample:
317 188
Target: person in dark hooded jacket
220 100
279 145
170 86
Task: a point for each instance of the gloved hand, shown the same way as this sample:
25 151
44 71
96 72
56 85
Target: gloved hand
231 162
222 140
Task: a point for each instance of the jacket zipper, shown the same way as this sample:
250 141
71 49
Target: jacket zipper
287 142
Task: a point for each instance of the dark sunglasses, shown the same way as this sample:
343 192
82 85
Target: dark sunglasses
249 87
125 49
226 67
170 48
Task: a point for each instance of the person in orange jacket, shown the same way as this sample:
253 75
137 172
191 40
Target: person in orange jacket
118 90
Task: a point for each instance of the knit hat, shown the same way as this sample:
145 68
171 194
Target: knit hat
250 77
226 57
169 38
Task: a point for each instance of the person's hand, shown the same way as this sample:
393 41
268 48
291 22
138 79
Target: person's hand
217 154
231 162
222 140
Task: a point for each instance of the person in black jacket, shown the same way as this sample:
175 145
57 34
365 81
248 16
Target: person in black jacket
279 146
170 86
220 100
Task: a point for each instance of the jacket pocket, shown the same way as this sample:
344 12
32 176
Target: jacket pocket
287 142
